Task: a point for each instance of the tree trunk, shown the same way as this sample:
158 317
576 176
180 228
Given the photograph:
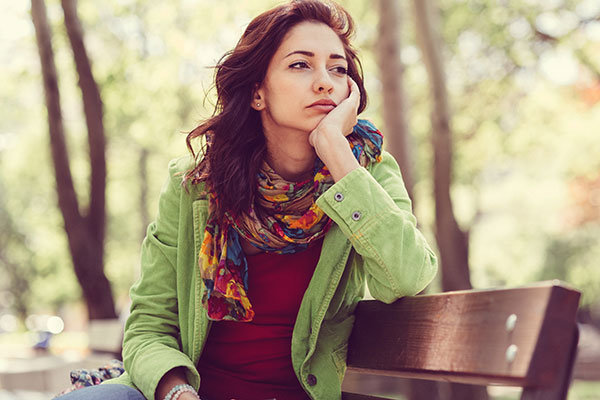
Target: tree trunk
397 137
93 111
85 231
452 241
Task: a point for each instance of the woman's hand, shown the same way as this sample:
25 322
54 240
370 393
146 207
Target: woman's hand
329 140
343 116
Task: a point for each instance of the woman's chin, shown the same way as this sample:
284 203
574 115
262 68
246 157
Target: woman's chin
312 123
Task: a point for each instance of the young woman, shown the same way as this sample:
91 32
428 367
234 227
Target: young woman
262 246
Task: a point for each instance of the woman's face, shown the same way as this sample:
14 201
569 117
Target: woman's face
305 79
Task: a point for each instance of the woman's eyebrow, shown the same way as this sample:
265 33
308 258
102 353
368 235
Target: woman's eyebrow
311 54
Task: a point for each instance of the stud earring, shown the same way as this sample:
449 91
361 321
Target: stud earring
257 104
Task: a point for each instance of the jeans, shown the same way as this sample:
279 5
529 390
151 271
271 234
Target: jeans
104 392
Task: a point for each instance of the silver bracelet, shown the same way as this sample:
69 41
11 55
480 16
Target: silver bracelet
182 387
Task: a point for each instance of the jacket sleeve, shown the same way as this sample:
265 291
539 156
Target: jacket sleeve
150 345
373 210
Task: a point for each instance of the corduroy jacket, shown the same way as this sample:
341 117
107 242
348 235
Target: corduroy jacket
374 240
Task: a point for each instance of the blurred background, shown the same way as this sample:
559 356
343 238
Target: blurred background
492 108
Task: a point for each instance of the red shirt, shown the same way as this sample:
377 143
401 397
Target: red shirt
252 360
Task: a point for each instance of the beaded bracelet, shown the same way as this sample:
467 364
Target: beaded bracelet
177 390
183 390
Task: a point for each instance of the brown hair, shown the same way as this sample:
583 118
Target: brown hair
236 145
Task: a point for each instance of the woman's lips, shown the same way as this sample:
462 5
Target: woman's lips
323 105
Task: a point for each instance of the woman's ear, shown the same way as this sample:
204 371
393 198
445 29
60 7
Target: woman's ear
257 99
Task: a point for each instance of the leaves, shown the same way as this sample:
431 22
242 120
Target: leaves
523 132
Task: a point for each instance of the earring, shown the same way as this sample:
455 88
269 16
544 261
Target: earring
257 104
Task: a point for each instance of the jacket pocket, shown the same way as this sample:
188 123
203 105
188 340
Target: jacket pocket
339 360
338 334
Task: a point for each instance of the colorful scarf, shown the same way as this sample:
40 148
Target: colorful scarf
293 222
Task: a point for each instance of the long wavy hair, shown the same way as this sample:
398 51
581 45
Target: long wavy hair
235 145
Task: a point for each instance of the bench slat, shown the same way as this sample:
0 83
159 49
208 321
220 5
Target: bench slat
355 396
462 336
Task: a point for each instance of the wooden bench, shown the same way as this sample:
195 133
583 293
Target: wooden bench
524 336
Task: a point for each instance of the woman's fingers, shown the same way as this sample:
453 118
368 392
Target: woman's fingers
354 91
343 117
353 101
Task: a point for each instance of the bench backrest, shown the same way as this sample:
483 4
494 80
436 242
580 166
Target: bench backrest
516 337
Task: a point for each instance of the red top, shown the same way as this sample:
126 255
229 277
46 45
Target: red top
252 360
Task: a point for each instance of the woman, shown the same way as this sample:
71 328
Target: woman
262 247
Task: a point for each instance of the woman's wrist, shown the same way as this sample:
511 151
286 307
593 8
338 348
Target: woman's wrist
342 166
333 149
170 383
178 392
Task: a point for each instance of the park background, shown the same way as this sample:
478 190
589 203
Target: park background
512 153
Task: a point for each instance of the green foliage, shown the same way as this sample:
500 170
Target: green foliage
15 264
523 133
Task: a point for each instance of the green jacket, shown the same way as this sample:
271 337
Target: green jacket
374 239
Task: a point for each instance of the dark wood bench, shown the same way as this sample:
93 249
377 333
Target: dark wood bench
524 336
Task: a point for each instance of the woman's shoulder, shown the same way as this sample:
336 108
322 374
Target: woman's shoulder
179 166
388 160
178 169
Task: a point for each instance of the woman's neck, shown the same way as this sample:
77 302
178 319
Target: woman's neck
291 156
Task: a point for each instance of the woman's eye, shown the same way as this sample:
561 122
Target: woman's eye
341 70
299 65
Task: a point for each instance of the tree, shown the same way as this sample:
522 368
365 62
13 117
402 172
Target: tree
84 230
394 106
398 143
452 241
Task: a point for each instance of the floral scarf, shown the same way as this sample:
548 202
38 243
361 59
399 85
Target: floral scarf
293 222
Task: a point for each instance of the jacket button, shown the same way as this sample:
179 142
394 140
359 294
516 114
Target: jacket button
311 380
338 197
356 215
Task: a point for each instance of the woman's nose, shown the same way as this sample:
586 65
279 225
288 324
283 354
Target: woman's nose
323 82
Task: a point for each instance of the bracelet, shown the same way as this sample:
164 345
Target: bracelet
184 390
173 393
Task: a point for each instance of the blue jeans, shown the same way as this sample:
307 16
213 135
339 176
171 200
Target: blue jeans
104 392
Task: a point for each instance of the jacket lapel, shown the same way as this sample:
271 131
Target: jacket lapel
200 215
